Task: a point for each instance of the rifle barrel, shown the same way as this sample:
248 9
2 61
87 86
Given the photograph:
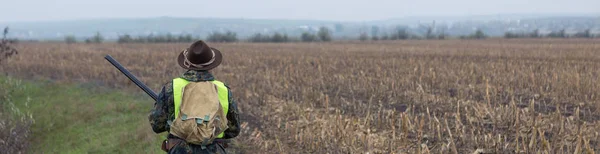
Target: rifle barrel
131 77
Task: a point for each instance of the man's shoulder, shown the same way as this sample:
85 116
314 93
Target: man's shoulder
225 84
168 86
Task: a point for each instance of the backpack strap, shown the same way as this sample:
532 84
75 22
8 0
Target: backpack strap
223 98
223 95
178 85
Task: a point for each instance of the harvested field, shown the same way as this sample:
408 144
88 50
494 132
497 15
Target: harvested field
449 96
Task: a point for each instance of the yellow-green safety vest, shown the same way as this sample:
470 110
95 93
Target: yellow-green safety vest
179 83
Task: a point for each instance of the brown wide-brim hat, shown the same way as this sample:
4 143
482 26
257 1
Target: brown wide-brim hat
199 51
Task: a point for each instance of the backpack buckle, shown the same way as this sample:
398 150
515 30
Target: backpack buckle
183 117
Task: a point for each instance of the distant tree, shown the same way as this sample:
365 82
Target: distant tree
558 34
535 33
510 35
385 37
188 38
375 38
98 38
215 37
324 34
429 33
88 40
160 39
70 39
375 32
308 37
415 37
305 37
5 33
442 36
222 37
141 39
258 37
400 34
230 37
169 38
185 38
479 34
181 38
286 38
275 38
363 37
278 38
125 39
150 38
563 33
585 34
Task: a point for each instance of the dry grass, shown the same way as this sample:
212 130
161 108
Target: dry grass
453 96
15 124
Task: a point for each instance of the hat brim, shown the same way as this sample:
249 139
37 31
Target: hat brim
217 62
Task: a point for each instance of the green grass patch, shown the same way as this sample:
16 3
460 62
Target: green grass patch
74 118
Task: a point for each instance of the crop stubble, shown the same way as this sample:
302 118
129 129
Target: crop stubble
453 96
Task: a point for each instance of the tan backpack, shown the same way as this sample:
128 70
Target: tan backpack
200 118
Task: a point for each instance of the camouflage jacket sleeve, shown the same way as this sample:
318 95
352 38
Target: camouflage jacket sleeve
159 115
233 120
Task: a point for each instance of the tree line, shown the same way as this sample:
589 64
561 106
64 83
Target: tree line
126 38
555 34
324 34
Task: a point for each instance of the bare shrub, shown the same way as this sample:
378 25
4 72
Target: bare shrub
6 50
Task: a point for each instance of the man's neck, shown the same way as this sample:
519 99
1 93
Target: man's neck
194 75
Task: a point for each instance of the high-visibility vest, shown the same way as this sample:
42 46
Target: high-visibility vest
179 83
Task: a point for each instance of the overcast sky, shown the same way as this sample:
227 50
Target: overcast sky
341 10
